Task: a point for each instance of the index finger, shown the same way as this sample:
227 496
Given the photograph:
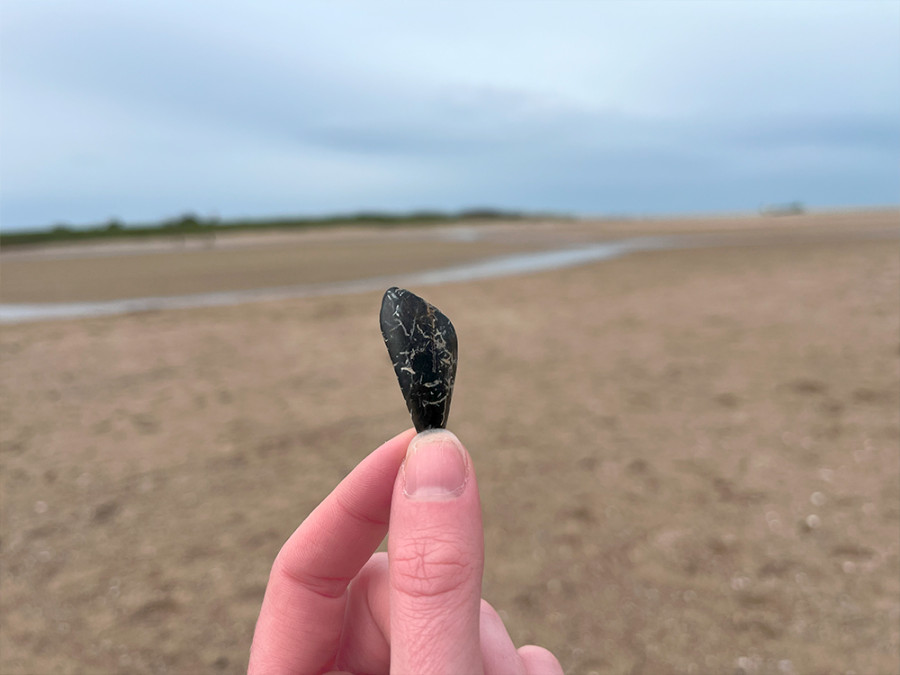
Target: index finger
299 625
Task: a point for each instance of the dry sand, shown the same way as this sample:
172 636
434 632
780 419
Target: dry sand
689 462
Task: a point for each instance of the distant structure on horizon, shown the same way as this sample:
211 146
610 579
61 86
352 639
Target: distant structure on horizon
789 209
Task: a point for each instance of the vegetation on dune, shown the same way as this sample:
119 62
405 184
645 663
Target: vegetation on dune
190 224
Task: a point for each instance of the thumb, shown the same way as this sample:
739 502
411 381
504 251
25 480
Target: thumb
436 559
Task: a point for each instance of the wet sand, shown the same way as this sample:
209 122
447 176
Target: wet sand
242 261
688 461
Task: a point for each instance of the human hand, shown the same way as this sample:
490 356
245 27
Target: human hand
332 605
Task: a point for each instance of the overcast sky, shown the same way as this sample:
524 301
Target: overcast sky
148 110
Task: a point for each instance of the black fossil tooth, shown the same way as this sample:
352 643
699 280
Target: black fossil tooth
421 342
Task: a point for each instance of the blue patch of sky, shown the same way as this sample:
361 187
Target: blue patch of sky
146 111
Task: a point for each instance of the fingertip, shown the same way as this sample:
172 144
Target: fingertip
436 466
539 661
498 653
401 441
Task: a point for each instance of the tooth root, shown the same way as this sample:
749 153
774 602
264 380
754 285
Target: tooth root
421 342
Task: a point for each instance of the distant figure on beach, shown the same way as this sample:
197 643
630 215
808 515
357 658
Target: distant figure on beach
334 605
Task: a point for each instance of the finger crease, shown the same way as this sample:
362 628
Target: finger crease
358 515
325 587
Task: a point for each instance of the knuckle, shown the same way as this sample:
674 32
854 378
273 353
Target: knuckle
370 573
430 566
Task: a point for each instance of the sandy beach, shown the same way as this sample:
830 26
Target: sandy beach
689 459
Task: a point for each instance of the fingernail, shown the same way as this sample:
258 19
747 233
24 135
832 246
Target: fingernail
435 466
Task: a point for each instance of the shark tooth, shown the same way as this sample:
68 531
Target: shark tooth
421 342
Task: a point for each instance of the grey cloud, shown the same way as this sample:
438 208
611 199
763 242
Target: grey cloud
451 138
876 132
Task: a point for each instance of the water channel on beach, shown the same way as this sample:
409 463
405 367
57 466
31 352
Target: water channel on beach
500 266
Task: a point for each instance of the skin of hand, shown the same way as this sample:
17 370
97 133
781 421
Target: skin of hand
334 605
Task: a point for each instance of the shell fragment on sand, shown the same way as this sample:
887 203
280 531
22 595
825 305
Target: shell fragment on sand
421 342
